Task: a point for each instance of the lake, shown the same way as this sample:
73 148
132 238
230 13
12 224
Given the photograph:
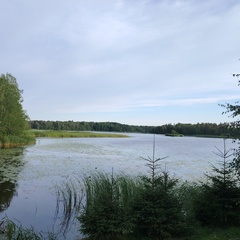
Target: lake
30 176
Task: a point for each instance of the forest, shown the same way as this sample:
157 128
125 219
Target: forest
199 129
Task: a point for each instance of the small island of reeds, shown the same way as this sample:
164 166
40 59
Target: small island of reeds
174 134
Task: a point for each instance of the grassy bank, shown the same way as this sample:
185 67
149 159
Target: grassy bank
26 138
70 134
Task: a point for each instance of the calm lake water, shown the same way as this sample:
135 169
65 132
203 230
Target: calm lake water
29 176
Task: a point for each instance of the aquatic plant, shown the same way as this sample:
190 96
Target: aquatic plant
11 231
107 210
69 199
73 134
10 141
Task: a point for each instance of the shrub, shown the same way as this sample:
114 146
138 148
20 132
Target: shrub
157 210
217 204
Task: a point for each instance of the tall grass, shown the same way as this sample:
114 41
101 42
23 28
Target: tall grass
71 134
26 138
106 213
69 199
11 231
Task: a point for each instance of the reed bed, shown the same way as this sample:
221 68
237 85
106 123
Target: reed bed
26 138
72 134
69 200
11 231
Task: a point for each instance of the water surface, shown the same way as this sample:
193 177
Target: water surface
29 176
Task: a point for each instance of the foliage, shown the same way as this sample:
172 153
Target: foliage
25 138
174 134
107 212
157 209
120 207
207 233
199 129
88 126
13 119
186 193
11 231
234 126
217 204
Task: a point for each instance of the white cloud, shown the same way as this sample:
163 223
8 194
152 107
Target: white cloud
102 56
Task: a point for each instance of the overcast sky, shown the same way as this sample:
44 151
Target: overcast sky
140 62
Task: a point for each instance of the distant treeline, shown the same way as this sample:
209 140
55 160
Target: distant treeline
88 126
211 129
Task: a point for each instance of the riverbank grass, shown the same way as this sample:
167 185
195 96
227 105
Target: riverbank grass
26 138
11 231
73 134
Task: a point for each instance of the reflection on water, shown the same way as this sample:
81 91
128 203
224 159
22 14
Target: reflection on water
10 165
7 190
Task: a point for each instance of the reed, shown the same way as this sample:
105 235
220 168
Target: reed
106 213
69 199
71 134
12 231
26 138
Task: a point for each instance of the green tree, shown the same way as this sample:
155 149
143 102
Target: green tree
234 126
13 119
157 211
217 203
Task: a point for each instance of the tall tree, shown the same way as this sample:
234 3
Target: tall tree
13 119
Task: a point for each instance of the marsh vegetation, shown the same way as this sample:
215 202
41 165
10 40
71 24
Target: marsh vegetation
74 134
